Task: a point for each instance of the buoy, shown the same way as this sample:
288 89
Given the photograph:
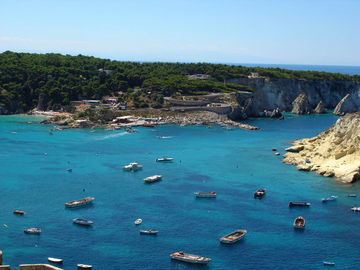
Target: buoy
5 225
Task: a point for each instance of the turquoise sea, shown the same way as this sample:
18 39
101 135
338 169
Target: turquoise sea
234 163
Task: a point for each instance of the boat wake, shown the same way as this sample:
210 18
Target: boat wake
111 136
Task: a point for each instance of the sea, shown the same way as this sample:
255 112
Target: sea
234 163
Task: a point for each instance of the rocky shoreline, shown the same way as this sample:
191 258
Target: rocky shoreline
147 119
333 153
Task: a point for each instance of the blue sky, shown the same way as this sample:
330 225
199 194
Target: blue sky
324 32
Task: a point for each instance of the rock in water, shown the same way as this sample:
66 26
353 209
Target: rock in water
346 105
276 113
334 152
301 105
320 108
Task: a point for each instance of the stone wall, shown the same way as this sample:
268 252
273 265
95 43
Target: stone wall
38 267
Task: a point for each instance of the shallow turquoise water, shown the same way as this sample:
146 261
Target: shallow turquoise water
232 163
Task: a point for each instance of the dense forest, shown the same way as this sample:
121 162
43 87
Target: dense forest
51 81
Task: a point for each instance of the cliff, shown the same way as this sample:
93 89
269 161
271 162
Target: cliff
334 152
280 93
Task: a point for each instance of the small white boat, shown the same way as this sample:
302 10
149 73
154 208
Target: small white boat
84 266
190 258
133 166
205 195
299 223
79 203
138 221
55 260
331 198
152 232
152 179
329 263
355 209
82 221
233 237
164 159
32 231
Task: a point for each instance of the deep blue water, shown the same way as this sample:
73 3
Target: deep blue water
232 163
350 70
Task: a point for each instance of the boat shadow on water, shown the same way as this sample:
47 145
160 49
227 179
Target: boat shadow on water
179 265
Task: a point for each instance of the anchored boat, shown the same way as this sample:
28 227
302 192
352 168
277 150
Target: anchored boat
300 204
190 258
55 260
352 195
329 263
133 166
153 178
164 159
32 231
151 232
259 193
205 195
79 203
138 221
19 212
82 221
84 266
233 237
331 198
299 223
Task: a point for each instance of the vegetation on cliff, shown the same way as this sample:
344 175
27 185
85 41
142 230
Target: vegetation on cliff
51 81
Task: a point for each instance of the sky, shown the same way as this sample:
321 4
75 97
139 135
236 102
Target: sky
309 32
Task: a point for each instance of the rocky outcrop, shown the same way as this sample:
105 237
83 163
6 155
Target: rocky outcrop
346 105
245 106
279 93
320 108
334 152
301 105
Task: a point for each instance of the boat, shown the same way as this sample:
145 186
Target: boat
352 195
80 203
233 237
152 232
331 198
259 193
152 179
300 204
299 223
84 266
82 221
138 221
129 130
355 209
329 263
205 195
148 125
133 166
19 212
69 170
55 260
190 258
164 159
32 231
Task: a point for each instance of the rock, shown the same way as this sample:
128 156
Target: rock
277 154
276 113
295 149
267 114
304 167
320 108
346 105
273 149
355 178
281 117
329 174
301 105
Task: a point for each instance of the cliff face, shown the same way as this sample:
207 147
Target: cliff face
282 92
334 152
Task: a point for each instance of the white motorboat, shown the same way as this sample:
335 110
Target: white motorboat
55 260
79 203
233 237
84 266
138 221
133 166
164 159
32 231
190 258
205 194
82 221
153 178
